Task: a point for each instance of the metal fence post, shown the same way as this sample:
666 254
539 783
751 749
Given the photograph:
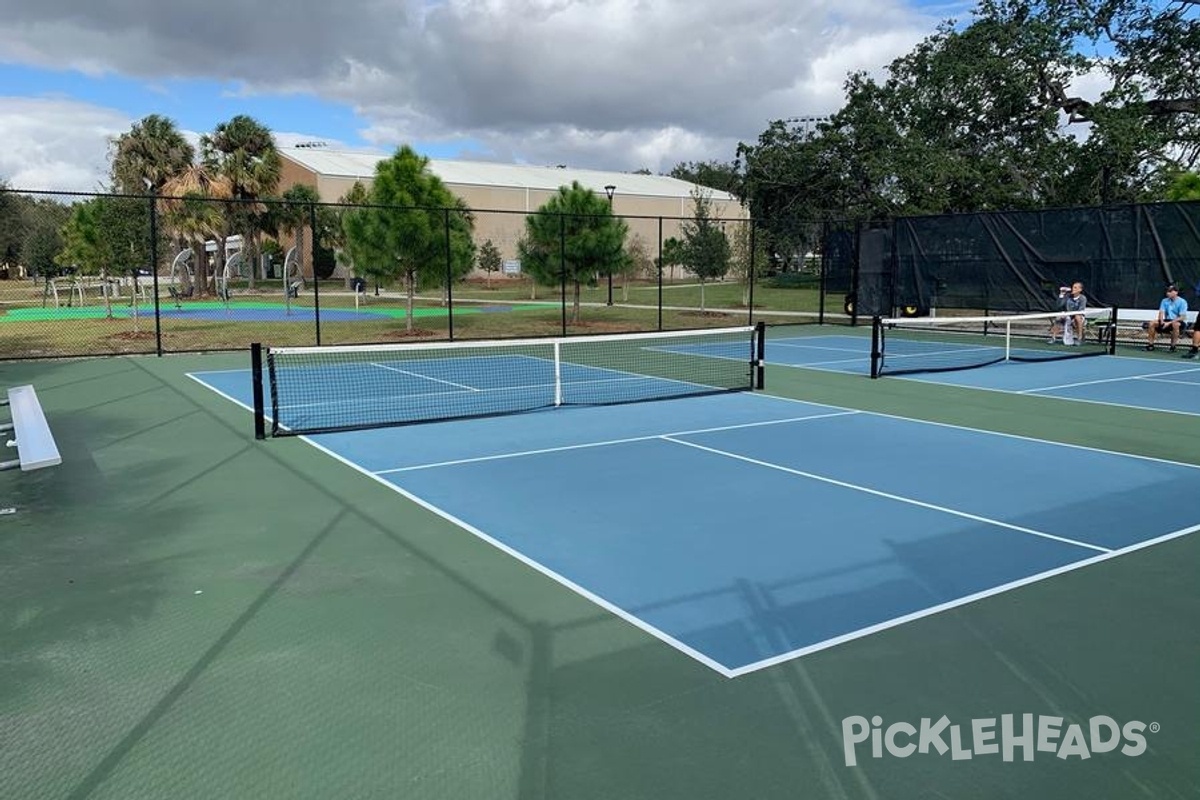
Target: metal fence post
158 346
312 227
449 277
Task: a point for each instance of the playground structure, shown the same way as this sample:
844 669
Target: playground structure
179 281
293 277
75 289
183 283
232 272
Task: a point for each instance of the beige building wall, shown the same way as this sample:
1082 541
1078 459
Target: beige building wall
500 210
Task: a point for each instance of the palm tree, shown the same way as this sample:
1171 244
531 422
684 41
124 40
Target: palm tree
189 207
151 153
293 215
243 150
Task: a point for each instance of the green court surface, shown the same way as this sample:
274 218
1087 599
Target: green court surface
188 613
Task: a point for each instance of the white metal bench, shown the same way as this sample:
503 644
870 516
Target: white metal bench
1135 320
34 442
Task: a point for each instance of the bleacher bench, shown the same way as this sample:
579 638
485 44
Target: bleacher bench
1131 323
34 442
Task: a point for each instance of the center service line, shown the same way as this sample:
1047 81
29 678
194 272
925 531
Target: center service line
890 496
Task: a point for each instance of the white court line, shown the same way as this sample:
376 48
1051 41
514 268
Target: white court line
793 654
861 360
771 344
612 608
585 445
1168 380
961 601
631 376
426 377
1180 371
1070 445
218 392
889 496
1058 398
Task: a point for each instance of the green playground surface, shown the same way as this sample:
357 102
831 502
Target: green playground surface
219 308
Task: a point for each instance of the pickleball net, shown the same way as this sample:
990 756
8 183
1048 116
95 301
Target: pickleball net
303 390
904 346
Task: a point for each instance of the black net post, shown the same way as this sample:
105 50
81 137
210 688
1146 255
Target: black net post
1111 343
760 355
876 341
256 381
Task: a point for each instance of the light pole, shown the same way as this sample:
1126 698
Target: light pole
610 190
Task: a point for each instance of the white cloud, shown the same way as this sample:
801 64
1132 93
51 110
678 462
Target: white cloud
53 143
617 84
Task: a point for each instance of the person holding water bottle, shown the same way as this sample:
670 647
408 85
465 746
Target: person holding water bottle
1071 300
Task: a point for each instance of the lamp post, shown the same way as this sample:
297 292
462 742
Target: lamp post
610 190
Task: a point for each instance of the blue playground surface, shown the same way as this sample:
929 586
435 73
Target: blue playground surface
238 311
745 530
1158 384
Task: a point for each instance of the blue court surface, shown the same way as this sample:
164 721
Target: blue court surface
1160 384
745 530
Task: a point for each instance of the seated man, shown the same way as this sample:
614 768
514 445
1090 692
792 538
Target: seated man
1195 348
1072 300
1172 318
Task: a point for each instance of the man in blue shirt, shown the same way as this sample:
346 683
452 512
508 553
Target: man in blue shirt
1172 317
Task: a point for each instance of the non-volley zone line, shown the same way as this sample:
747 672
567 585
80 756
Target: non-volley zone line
1113 381
1151 376
675 437
611 442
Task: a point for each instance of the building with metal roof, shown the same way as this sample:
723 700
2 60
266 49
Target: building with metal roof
501 194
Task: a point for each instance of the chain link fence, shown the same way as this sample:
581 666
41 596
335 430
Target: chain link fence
98 274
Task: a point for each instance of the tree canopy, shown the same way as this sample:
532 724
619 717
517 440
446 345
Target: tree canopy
149 154
573 238
489 259
981 116
706 250
1184 186
716 175
106 236
415 229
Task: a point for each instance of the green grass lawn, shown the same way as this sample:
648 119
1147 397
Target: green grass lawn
32 326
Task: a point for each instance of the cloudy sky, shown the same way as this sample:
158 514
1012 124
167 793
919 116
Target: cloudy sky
605 84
